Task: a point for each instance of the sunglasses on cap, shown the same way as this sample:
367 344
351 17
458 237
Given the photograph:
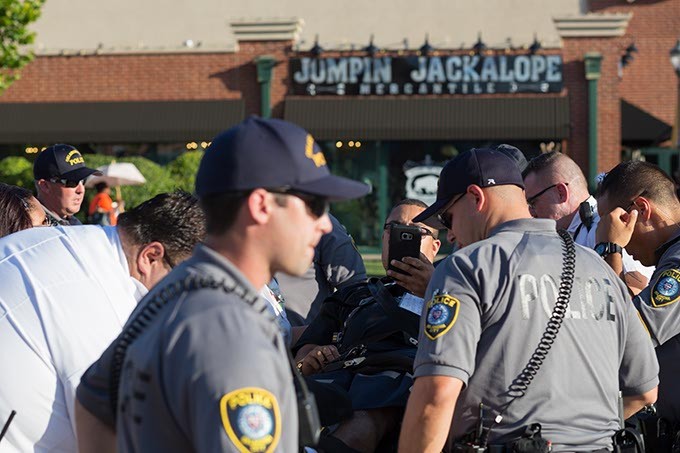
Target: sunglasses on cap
317 205
68 183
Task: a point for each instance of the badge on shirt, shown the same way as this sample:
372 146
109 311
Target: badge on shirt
442 312
252 419
667 288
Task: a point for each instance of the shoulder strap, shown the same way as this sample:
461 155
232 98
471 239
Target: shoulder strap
309 424
148 313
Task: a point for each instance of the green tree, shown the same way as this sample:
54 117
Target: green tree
15 17
18 171
183 170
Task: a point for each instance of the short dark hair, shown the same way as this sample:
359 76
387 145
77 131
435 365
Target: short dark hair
420 204
410 202
634 178
15 208
173 219
541 162
221 210
100 186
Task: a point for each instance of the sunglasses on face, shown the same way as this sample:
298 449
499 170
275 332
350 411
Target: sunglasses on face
68 183
424 231
445 216
316 204
532 200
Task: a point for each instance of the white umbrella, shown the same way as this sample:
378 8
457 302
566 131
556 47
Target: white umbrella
117 174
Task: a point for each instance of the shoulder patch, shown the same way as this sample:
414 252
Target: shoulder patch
667 288
251 419
442 312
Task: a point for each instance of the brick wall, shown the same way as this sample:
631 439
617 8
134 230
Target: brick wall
649 82
160 77
609 112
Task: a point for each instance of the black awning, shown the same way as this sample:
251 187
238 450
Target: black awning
642 127
431 118
117 122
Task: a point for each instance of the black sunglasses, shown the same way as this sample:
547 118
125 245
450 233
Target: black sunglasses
68 183
531 200
424 231
632 203
317 204
444 216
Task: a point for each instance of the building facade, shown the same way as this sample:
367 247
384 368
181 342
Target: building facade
539 75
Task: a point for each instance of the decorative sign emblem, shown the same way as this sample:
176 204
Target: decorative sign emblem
442 313
252 419
421 183
667 288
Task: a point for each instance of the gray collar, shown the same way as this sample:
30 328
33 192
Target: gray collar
221 267
526 225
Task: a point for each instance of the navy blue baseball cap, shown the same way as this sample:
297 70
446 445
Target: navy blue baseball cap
484 167
516 155
63 162
270 153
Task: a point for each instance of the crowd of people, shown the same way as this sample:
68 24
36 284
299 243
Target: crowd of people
241 318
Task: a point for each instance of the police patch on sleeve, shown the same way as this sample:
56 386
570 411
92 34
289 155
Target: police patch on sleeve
442 312
252 419
667 288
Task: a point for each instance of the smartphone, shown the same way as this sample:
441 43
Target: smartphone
404 241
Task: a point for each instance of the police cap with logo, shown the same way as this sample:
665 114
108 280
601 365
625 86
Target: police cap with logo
63 162
483 167
270 153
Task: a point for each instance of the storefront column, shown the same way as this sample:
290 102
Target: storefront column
265 64
382 182
593 62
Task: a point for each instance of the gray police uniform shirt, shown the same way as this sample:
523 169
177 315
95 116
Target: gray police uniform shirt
660 311
210 373
489 305
337 264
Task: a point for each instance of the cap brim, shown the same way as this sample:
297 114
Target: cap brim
335 188
429 216
80 173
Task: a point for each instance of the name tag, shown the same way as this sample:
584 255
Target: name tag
412 303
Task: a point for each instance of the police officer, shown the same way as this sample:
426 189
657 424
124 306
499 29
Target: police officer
640 211
557 189
488 306
205 366
60 173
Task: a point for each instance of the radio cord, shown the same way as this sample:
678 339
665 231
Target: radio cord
519 386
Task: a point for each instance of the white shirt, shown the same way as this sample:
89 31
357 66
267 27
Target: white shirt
65 293
586 237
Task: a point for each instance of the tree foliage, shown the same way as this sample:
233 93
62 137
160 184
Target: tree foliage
15 17
17 170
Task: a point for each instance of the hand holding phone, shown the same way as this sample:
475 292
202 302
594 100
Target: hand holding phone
404 241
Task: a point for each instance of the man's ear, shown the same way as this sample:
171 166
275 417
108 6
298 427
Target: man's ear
478 195
563 192
259 205
43 186
436 245
149 258
644 208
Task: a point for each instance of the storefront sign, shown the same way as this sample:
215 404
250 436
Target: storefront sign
457 74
